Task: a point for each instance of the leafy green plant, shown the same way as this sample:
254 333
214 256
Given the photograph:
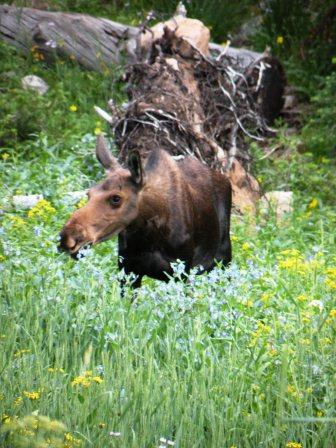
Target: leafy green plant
303 34
319 132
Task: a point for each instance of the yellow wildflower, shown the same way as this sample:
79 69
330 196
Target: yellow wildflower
97 131
262 329
21 352
80 381
302 298
246 246
6 418
28 432
70 440
32 395
82 202
17 222
330 283
313 204
319 413
306 317
331 272
102 425
5 156
43 209
332 313
293 445
280 40
291 390
86 380
18 401
290 253
73 107
97 379
265 298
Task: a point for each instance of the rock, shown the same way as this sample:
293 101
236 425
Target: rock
73 196
32 82
280 201
21 202
290 101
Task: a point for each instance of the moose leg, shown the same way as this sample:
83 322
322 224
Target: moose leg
134 285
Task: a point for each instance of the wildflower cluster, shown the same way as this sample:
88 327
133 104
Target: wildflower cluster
86 380
261 332
17 222
70 441
293 261
43 210
293 445
331 278
32 395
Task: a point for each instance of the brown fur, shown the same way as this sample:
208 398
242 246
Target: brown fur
168 210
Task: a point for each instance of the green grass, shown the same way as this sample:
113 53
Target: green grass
243 357
216 363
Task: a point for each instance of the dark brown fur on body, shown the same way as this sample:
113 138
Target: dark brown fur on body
163 210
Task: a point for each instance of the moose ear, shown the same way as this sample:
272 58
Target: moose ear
104 155
135 167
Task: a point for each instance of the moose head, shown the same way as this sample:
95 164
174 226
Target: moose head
112 205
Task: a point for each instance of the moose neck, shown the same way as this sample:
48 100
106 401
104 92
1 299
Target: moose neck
163 193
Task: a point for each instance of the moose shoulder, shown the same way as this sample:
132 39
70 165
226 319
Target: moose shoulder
163 210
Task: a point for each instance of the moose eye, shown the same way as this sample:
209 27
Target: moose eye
114 200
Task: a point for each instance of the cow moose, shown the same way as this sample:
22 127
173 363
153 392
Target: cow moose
162 210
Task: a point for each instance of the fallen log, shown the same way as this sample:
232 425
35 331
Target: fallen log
97 43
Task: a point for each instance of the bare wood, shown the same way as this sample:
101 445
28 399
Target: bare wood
93 42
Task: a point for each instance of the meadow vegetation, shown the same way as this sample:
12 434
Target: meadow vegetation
234 359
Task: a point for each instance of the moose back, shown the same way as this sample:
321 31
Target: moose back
162 210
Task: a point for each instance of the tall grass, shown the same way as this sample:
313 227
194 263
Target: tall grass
242 357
